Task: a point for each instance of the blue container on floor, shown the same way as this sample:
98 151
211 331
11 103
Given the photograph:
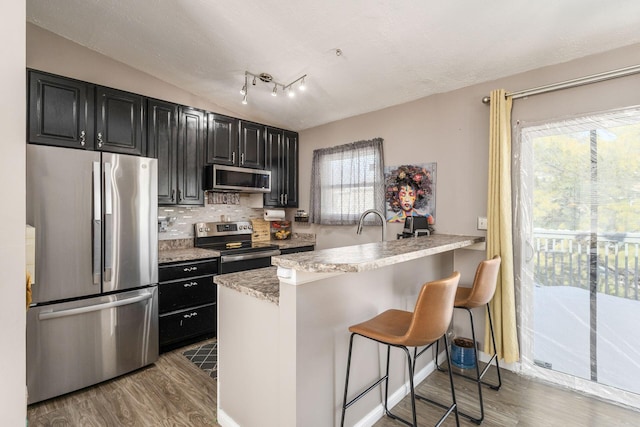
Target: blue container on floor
462 353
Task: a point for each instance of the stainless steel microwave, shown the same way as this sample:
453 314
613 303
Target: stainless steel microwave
231 178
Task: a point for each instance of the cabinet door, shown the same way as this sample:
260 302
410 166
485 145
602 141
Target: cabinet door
162 131
252 145
120 122
273 163
190 156
290 169
222 140
60 111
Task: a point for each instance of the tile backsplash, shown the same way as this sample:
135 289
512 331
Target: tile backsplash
182 218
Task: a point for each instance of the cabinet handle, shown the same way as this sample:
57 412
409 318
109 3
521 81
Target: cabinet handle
173 195
190 284
286 198
233 157
82 138
190 315
188 269
99 139
281 198
242 158
179 195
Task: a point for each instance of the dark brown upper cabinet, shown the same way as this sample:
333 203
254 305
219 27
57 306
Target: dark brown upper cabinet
235 142
282 161
120 122
252 145
162 134
191 135
222 140
75 114
61 111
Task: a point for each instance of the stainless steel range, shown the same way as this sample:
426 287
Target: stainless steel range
233 240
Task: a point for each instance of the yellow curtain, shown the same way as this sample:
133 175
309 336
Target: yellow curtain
499 230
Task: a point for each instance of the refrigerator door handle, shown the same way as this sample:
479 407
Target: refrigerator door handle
47 315
96 224
108 221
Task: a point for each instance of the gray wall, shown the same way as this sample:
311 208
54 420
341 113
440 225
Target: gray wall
12 227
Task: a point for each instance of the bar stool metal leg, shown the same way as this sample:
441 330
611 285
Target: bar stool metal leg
479 375
454 406
413 392
414 395
346 381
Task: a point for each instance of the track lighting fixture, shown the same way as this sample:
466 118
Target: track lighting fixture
267 78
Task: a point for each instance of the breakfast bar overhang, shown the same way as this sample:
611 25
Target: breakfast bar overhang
283 331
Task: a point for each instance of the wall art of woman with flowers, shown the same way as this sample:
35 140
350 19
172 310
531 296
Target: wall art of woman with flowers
410 191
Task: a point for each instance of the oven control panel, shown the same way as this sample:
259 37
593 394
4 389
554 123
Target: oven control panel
212 229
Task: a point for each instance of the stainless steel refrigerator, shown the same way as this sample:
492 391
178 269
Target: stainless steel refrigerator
95 313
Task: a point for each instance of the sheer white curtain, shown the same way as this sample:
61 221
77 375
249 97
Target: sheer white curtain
346 180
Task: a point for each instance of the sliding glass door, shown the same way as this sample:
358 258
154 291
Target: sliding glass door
579 220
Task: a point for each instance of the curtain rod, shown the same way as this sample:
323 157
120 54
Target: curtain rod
594 78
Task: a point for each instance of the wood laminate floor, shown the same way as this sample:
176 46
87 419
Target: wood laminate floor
171 392
174 392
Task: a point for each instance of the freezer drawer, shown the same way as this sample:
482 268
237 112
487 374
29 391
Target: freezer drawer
80 343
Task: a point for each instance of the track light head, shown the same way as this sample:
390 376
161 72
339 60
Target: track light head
244 99
275 90
303 86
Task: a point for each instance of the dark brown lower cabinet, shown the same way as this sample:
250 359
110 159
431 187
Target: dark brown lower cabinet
187 302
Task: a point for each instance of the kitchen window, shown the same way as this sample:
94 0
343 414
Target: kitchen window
346 180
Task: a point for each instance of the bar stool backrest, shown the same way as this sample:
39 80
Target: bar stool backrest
484 283
433 311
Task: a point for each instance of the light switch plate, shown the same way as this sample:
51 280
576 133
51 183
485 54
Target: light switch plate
482 223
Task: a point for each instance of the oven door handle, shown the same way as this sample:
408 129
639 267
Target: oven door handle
253 255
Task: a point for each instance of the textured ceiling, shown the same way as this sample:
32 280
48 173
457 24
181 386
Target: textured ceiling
394 51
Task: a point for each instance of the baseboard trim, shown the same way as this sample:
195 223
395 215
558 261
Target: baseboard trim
225 420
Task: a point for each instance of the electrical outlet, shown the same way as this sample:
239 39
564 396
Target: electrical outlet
482 223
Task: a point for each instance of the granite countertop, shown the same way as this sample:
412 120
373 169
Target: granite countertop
185 254
183 250
264 284
373 255
261 283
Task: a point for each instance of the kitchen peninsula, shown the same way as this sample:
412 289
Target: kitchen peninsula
283 331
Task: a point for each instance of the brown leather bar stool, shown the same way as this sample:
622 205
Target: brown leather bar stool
397 328
484 286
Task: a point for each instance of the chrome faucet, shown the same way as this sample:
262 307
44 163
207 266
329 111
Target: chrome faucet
367 212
